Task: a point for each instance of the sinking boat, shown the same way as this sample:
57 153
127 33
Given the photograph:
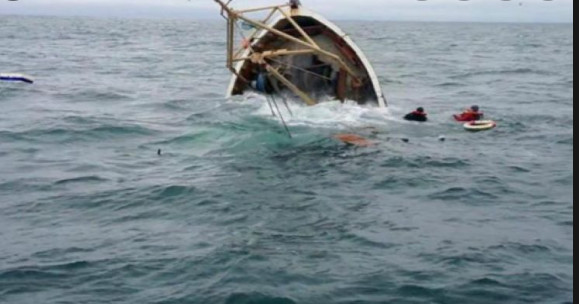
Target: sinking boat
296 51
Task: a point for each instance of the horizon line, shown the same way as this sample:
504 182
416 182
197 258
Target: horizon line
91 16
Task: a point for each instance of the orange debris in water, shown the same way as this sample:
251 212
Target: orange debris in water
353 139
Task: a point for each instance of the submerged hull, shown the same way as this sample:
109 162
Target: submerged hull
300 52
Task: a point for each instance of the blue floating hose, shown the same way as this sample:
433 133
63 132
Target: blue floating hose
16 78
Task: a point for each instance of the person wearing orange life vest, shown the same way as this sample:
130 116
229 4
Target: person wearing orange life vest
472 114
418 115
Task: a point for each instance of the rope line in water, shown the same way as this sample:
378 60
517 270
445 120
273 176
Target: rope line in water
270 106
280 115
278 91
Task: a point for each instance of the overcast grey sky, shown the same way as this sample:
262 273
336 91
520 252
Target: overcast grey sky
394 10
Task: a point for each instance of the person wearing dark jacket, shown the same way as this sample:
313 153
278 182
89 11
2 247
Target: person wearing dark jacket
418 115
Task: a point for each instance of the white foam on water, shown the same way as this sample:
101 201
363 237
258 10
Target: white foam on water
326 114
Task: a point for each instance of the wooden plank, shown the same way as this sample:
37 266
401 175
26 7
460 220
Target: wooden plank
291 86
252 36
230 30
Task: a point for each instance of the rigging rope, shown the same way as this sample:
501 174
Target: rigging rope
301 69
242 36
276 88
281 117
261 85
270 106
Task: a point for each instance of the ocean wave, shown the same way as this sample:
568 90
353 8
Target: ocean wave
199 136
566 142
40 273
398 182
505 72
10 91
531 288
8 136
128 198
362 241
389 80
521 249
60 252
67 135
418 291
466 259
257 298
486 281
519 169
450 84
92 95
424 162
153 196
173 191
26 185
81 179
471 195
177 104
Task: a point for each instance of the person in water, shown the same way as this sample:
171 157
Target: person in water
418 115
471 114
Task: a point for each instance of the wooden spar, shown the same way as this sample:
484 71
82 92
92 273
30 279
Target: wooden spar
223 5
253 10
299 29
290 85
259 57
298 41
238 75
230 30
237 15
252 36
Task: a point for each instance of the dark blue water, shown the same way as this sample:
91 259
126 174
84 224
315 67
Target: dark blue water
235 212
